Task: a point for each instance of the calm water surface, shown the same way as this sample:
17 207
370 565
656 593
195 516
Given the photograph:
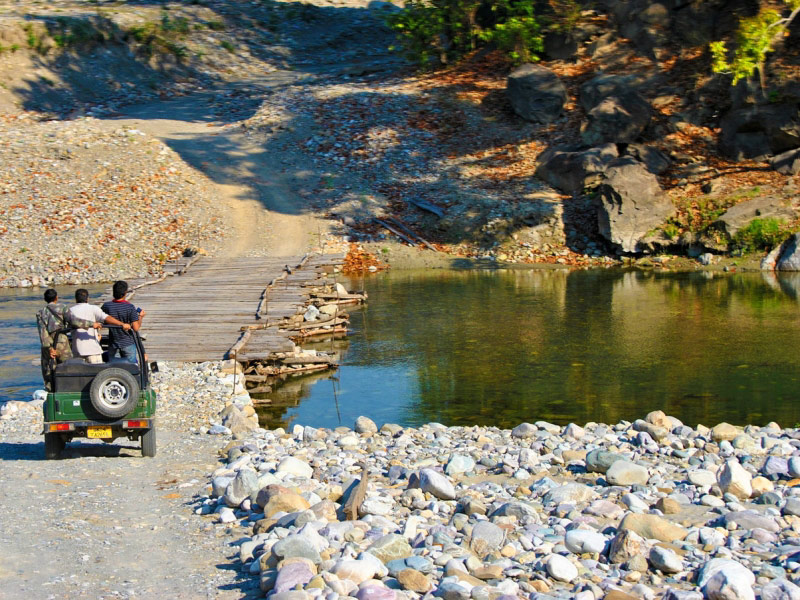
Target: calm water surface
500 348
20 373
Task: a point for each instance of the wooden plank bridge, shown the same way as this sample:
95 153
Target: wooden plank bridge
212 309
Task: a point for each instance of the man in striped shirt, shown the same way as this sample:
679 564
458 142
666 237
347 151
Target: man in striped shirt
119 341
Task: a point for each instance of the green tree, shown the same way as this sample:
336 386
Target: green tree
755 38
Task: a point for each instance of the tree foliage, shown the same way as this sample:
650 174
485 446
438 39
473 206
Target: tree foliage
755 38
431 31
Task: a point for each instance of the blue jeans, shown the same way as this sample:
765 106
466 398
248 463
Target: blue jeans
127 353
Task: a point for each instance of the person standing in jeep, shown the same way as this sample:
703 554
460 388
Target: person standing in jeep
54 322
122 342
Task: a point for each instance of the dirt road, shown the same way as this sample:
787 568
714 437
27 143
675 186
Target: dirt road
106 523
262 212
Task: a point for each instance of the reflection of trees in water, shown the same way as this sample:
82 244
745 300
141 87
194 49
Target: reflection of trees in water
501 348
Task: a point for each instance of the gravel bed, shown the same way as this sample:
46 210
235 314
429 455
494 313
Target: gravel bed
643 510
79 204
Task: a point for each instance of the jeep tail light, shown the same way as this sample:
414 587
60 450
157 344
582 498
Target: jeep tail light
134 424
61 427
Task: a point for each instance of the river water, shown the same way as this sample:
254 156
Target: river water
503 347
506 346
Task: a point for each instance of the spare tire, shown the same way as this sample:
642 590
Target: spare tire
114 392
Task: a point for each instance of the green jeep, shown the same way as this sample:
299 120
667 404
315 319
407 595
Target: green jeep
101 401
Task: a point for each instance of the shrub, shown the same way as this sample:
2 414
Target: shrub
761 234
228 46
431 31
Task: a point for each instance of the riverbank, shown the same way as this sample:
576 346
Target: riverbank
649 509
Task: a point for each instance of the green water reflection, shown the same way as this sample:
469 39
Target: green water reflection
499 348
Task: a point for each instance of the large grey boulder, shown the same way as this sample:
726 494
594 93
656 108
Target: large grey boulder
631 204
787 163
789 259
739 216
571 170
604 85
620 118
758 132
536 93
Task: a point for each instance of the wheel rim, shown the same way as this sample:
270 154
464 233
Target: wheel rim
113 394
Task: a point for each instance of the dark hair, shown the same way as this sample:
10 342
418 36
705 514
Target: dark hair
120 289
81 296
49 295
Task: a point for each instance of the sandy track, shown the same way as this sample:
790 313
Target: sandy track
262 214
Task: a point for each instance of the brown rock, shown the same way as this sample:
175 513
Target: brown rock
488 572
325 510
724 431
659 419
624 546
668 506
540 586
618 595
652 527
263 525
414 581
570 455
288 502
462 576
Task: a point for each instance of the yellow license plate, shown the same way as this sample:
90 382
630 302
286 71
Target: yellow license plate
98 432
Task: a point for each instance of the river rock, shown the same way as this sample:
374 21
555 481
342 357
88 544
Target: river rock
414 581
561 568
536 93
668 506
665 560
723 431
288 502
780 589
702 478
582 541
244 484
296 545
724 579
599 461
792 507
292 575
623 472
390 547
750 519
296 467
794 466
653 527
356 571
436 484
365 425
459 463
570 492
376 505
775 465
375 592
486 537
735 479
524 431
625 545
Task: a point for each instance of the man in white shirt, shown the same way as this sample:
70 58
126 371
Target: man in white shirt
86 342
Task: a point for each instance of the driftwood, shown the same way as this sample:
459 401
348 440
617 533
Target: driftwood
315 332
357 497
386 225
429 207
306 360
402 226
316 324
